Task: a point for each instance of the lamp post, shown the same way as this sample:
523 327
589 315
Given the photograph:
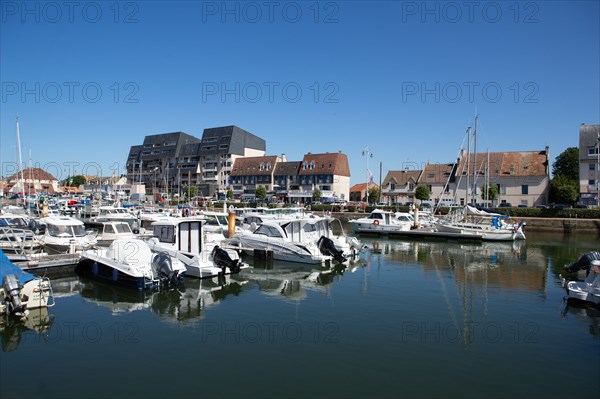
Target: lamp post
368 154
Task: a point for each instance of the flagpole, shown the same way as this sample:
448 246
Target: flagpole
368 154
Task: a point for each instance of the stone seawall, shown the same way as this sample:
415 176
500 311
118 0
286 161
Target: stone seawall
562 225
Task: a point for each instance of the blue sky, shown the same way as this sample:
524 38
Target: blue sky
90 79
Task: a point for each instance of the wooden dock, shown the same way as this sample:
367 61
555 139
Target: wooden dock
47 265
425 234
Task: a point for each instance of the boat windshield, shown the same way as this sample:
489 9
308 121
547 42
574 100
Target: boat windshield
13 222
123 228
66 230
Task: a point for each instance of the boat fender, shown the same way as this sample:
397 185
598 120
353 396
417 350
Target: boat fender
376 222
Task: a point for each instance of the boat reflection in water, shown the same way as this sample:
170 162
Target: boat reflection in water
292 281
186 302
11 328
584 313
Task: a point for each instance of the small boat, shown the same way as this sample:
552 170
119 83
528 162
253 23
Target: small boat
490 226
380 221
588 290
186 240
21 291
131 262
65 234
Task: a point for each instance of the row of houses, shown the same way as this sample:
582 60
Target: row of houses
229 158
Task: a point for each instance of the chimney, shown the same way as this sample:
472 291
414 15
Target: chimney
283 158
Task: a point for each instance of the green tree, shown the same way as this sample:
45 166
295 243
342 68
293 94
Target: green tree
191 191
229 194
492 193
374 194
564 190
316 194
261 193
567 164
78 180
422 192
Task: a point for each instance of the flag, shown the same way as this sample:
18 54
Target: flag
227 182
370 177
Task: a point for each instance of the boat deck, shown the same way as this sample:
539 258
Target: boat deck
47 265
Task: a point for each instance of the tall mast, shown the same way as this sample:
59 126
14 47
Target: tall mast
475 168
467 189
20 171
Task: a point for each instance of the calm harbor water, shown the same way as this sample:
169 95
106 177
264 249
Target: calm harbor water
414 319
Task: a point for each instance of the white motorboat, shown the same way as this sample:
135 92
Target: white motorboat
293 240
115 213
186 240
131 262
65 234
587 290
21 291
108 231
380 221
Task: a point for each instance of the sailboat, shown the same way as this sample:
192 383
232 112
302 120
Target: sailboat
471 220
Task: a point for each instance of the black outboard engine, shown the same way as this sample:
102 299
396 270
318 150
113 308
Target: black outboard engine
327 247
584 262
223 260
163 267
12 286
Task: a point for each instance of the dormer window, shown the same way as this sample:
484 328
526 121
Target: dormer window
312 165
305 165
268 166
261 167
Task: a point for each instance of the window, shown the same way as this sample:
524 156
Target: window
592 182
592 166
268 166
312 165
411 186
392 186
261 166
431 175
165 233
525 189
305 165
223 146
593 151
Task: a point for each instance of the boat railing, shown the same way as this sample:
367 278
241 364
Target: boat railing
21 241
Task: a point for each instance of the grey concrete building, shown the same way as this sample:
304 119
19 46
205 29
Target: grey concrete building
589 164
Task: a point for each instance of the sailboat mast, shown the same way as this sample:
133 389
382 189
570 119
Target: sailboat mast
467 189
475 168
20 171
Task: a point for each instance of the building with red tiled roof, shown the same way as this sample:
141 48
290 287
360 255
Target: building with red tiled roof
523 177
329 172
34 180
399 186
249 173
358 192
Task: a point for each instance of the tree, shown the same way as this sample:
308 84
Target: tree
422 192
316 194
261 193
564 190
374 194
191 191
492 193
567 164
229 194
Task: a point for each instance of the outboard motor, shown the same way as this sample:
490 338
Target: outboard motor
223 260
327 247
12 286
584 262
163 268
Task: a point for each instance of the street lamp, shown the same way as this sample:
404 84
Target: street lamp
368 154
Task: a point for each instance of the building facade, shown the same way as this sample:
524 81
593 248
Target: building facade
171 162
589 165
250 173
398 187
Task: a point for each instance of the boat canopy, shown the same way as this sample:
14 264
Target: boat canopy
7 267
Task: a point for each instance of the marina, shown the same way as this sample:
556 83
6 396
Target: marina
405 308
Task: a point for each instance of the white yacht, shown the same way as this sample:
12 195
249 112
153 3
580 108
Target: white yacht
293 240
381 222
131 262
65 234
186 240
